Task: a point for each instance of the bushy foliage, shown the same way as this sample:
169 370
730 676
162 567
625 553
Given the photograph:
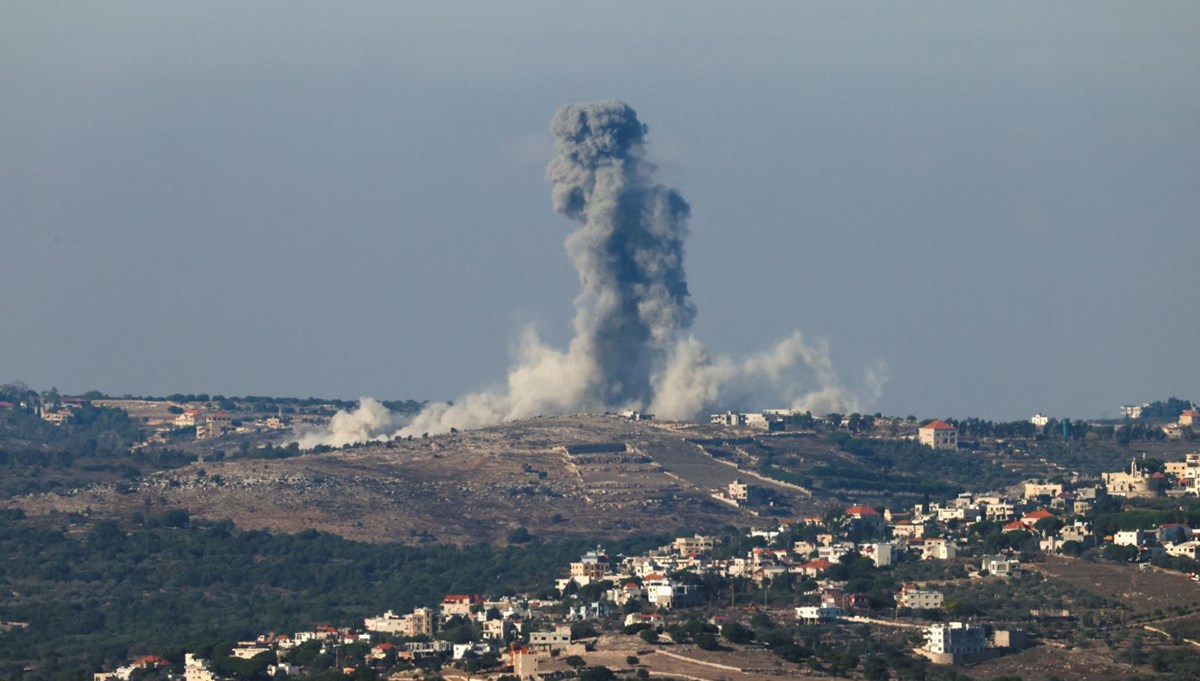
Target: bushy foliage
93 599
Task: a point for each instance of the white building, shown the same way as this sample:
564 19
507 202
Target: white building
1132 411
195 669
1187 549
1039 420
917 598
938 548
1000 565
938 434
1129 538
955 638
881 554
815 614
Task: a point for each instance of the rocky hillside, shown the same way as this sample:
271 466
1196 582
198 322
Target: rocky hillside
555 476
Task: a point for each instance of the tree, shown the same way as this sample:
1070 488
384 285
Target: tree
598 673
519 535
735 632
575 661
875 668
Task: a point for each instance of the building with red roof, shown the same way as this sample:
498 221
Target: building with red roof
864 515
1033 516
938 434
814 568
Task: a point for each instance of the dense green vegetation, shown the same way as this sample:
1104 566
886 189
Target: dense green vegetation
907 468
90 431
94 598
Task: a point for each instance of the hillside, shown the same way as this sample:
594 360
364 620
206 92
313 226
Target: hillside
458 488
553 477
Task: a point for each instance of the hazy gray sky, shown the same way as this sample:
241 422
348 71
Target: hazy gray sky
1000 200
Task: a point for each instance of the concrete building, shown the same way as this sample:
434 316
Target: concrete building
213 425
417 623
557 639
938 548
957 639
1000 566
881 554
1132 411
924 599
1034 490
592 566
745 494
524 663
938 434
816 614
1129 538
686 546
195 669
1132 483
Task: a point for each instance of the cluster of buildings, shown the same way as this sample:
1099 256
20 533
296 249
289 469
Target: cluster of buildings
1188 419
936 434
60 411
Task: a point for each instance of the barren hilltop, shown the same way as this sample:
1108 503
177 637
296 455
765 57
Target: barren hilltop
556 477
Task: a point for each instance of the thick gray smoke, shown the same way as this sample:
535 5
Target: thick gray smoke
628 253
629 349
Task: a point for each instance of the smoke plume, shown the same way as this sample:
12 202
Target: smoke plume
630 348
369 421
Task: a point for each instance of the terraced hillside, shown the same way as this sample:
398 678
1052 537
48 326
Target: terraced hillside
460 488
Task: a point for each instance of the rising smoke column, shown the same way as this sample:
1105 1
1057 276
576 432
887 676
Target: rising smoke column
629 251
630 348
633 300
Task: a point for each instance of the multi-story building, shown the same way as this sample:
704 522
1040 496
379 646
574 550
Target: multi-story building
745 494
459 604
686 546
955 638
1000 565
881 554
938 434
1132 411
560 637
938 548
591 567
815 614
213 425
913 597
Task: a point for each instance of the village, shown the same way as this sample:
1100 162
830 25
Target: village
901 573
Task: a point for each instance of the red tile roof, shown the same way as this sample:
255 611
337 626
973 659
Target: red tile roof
861 510
937 424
